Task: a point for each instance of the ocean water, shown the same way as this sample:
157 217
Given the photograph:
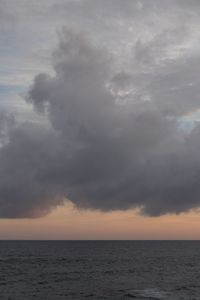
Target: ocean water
54 270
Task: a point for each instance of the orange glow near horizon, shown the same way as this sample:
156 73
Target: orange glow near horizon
69 223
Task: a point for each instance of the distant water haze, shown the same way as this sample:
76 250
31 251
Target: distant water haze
69 223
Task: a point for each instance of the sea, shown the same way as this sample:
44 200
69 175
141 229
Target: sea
58 270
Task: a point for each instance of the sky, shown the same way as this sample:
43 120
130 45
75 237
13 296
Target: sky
99 119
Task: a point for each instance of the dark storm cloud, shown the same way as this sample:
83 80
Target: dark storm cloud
112 138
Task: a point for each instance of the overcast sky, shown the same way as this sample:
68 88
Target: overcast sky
99 106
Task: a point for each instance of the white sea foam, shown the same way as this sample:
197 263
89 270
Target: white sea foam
150 293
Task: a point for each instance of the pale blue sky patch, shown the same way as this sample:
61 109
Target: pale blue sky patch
189 122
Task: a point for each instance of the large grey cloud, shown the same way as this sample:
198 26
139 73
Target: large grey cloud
111 137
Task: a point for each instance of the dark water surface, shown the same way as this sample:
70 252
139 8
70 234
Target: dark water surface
99 270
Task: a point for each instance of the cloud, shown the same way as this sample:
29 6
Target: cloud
110 136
